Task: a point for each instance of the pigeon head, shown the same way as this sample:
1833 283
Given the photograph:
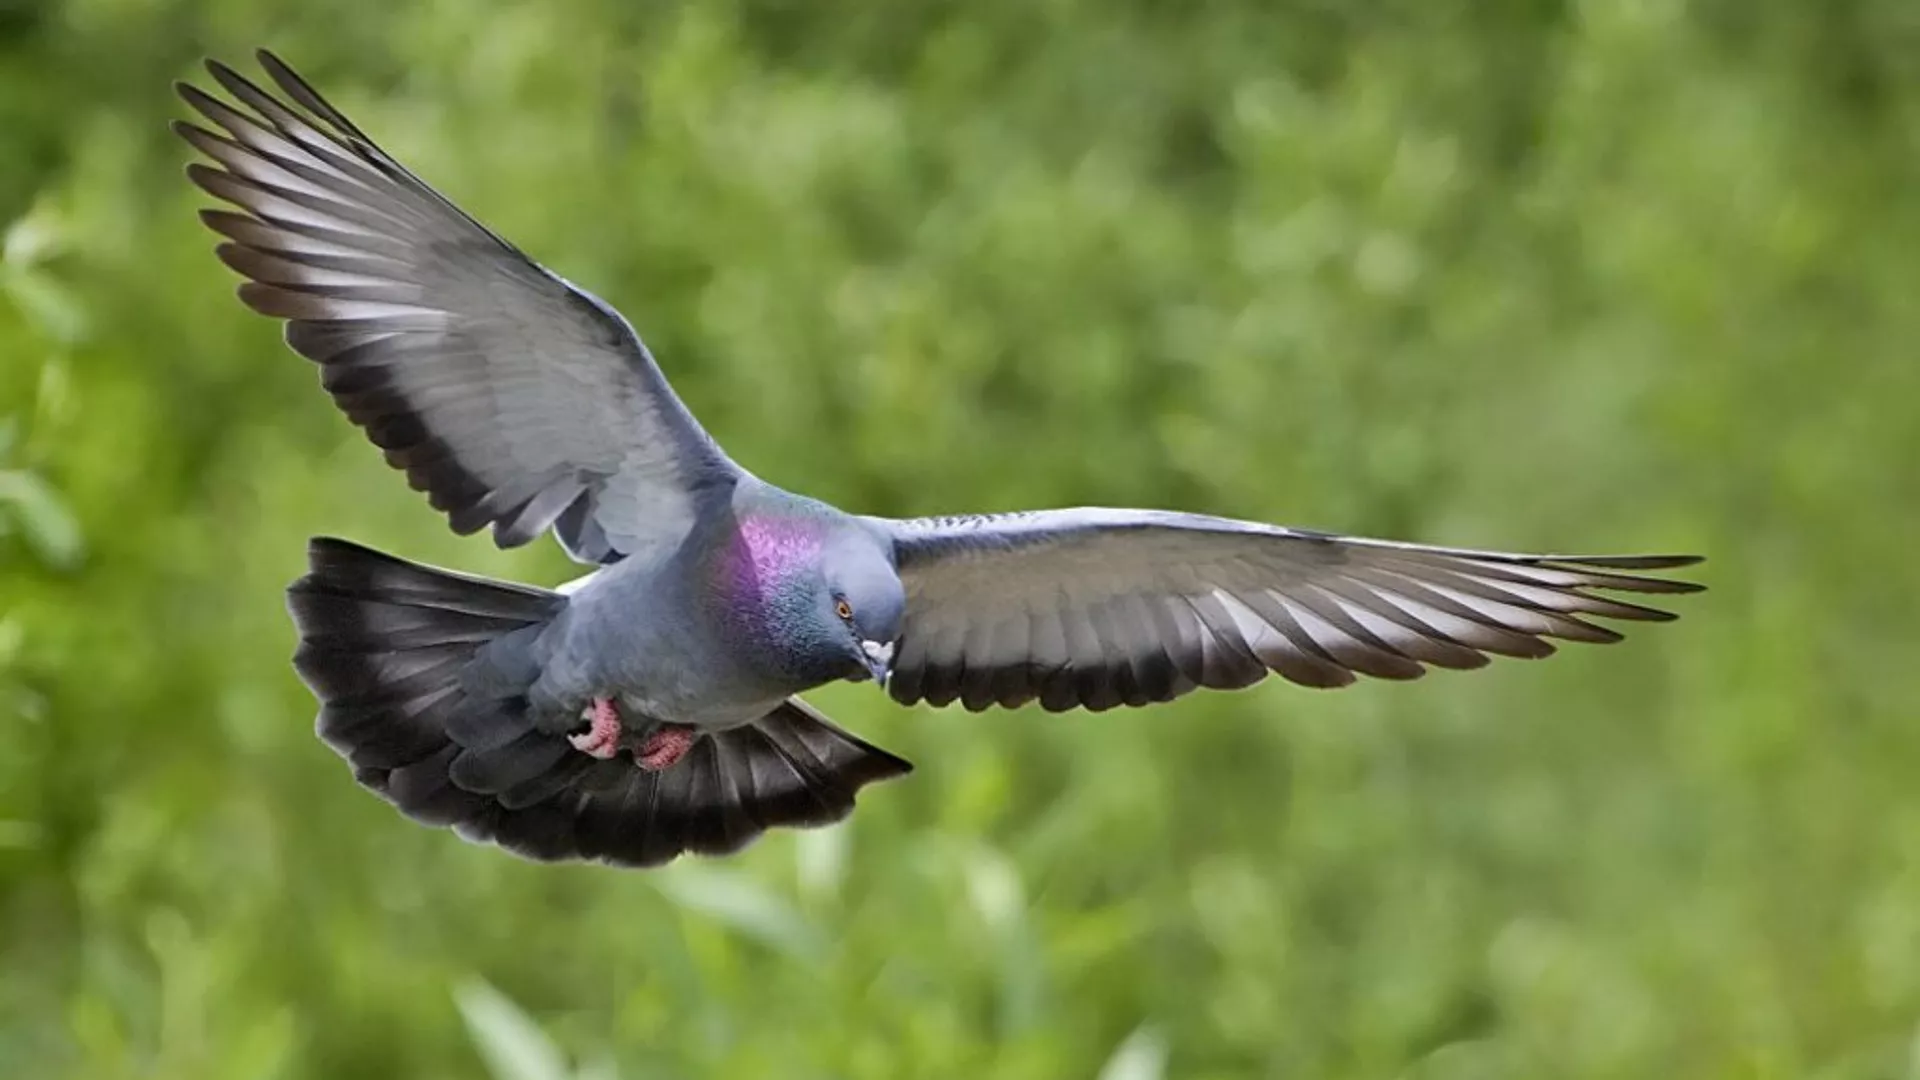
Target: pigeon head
818 598
866 598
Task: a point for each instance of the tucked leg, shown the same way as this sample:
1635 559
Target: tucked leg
602 737
663 746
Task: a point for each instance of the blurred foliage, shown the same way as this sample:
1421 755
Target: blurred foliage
1613 274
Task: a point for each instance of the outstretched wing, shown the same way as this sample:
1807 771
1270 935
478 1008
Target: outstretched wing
1099 608
510 397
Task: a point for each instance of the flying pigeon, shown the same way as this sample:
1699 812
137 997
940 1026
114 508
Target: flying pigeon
651 709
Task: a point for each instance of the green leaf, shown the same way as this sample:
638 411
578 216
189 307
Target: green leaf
47 302
1140 1056
510 1042
49 526
33 237
744 904
820 861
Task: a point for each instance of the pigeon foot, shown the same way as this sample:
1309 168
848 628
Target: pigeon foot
664 746
602 737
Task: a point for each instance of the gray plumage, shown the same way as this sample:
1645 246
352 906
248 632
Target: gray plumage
521 403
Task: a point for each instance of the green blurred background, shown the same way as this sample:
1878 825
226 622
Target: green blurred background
1613 275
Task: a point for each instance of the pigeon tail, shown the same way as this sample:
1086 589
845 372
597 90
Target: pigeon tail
421 675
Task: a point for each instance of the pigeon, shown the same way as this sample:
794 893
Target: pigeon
651 709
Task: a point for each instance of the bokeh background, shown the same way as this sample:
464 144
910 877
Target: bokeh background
1614 275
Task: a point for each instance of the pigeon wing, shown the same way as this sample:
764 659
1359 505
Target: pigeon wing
1097 608
510 397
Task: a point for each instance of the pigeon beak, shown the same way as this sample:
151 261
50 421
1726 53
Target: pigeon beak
879 660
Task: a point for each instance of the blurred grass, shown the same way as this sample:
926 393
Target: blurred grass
1603 275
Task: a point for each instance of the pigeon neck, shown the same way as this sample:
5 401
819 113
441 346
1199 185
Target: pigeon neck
765 576
766 554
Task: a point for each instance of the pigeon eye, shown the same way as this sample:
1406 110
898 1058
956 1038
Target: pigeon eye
843 609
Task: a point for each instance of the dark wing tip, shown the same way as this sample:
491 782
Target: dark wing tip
1594 634
282 73
202 102
193 135
207 178
220 71
236 258
880 764
302 92
320 549
1635 584
1632 562
1629 582
222 221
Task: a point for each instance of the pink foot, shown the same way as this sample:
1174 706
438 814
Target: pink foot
664 746
602 738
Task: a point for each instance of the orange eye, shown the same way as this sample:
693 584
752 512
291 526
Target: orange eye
843 609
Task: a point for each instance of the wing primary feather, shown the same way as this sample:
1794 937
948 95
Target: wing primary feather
1238 664
1287 648
1468 626
1412 637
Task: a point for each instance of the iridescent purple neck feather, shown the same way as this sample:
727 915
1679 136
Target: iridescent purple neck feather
765 555
766 577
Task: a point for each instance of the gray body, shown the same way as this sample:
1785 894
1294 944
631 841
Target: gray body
673 669
649 631
638 632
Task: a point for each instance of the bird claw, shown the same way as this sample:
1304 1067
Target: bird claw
602 737
664 746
